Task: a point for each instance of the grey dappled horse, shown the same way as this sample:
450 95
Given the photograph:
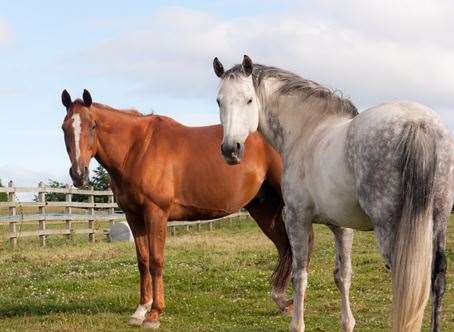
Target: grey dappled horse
388 169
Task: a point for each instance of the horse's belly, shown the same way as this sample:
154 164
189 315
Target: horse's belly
339 203
346 214
191 213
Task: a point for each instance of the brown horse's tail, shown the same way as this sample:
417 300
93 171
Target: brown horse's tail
281 274
411 268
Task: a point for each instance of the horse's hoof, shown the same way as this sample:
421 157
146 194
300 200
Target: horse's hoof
134 321
288 310
151 324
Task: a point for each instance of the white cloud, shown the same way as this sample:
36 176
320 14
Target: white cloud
23 176
373 51
404 21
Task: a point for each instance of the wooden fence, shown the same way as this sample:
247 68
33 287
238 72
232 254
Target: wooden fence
94 212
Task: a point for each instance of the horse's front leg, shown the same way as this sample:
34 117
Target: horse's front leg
343 272
137 226
298 222
156 225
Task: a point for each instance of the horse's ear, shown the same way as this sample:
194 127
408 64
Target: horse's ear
247 65
87 98
66 99
218 67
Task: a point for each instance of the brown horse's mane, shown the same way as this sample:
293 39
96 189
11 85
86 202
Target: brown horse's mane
126 111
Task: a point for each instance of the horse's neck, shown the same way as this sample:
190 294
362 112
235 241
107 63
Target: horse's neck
288 122
116 134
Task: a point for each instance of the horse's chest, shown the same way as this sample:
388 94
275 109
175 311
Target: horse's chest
128 197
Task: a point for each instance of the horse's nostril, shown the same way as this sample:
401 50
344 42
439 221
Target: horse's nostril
238 146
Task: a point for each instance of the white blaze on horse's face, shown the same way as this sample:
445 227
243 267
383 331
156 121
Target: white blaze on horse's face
76 130
239 112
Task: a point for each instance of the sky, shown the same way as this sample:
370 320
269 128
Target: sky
157 56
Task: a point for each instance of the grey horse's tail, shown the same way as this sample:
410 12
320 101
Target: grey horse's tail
411 268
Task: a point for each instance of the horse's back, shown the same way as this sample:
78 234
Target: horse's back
393 115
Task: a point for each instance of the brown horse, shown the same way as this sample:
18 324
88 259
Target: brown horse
161 170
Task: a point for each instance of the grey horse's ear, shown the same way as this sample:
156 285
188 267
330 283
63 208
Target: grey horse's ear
218 67
66 99
247 65
87 98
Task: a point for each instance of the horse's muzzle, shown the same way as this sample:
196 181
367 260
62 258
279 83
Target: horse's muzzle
79 179
233 153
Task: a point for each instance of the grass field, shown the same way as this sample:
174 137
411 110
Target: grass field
215 281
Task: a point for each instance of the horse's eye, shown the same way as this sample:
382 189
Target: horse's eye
249 101
219 102
93 126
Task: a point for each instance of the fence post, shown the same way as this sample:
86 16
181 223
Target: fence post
211 225
174 230
42 214
198 226
68 210
91 220
111 212
111 200
12 213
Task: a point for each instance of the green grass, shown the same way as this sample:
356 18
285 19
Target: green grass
215 281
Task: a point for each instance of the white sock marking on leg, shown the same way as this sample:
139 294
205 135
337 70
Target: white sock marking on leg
141 310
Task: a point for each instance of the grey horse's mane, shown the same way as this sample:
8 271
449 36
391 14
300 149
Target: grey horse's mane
294 84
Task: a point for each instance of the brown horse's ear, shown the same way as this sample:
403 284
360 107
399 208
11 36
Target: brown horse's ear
66 99
87 98
247 65
218 67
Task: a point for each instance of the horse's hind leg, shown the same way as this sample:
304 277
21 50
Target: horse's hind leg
439 267
156 227
343 272
438 285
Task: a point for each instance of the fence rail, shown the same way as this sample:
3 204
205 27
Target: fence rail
95 212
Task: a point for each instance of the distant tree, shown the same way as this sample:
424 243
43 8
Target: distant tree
100 179
60 197
3 196
54 197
